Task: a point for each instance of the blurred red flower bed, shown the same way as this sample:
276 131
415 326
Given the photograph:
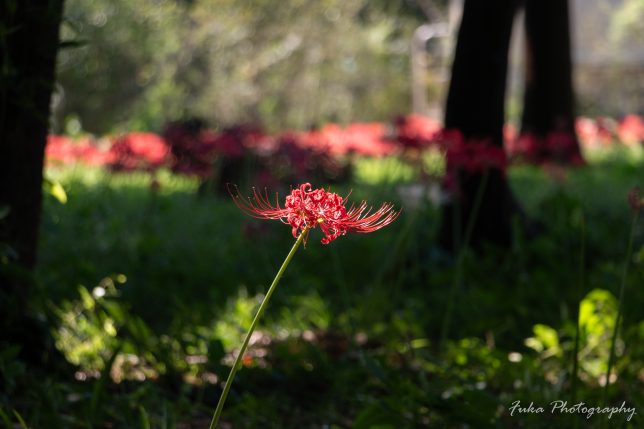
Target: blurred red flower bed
190 148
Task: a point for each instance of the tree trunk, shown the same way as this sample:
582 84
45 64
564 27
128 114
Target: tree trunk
28 57
475 107
548 107
548 97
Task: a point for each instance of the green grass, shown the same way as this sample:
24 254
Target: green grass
159 287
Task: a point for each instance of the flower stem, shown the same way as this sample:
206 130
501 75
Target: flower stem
260 311
618 319
580 290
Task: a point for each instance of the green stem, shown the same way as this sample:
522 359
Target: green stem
242 350
460 259
618 319
580 290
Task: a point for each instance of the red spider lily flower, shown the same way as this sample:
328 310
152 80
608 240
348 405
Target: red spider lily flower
368 139
138 151
193 150
562 147
607 130
305 208
631 130
65 150
555 147
587 131
509 134
471 156
416 131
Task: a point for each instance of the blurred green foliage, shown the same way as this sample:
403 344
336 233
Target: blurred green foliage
279 63
607 55
153 288
627 24
135 65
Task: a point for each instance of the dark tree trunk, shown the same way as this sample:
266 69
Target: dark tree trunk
548 97
475 107
476 98
27 63
548 106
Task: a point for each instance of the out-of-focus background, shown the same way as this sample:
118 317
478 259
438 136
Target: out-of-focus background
149 62
128 276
